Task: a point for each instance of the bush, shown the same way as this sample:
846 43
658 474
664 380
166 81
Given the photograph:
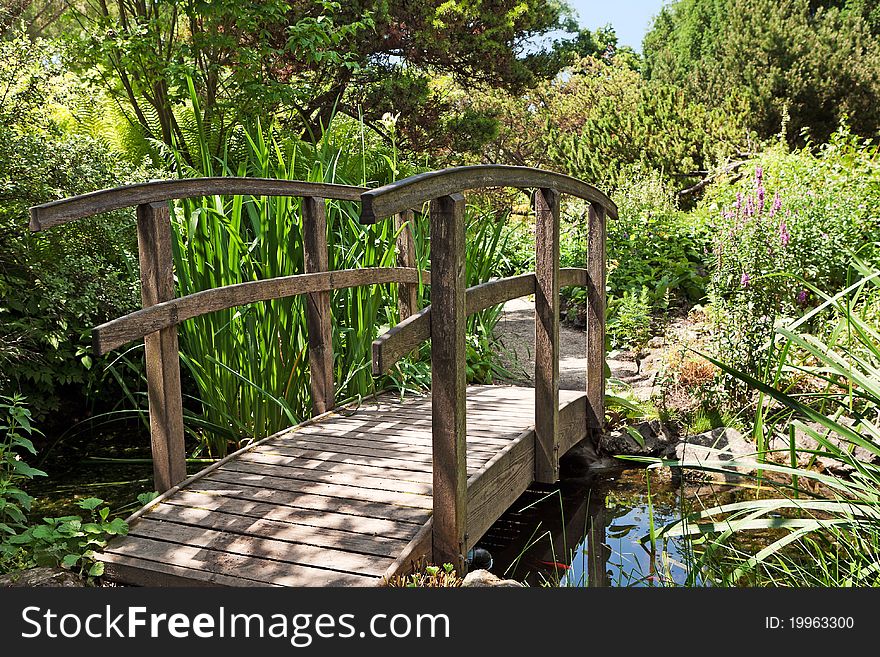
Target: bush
789 229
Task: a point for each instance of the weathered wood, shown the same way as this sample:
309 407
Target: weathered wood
407 293
412 556
448 380
161 348
215 485
499 483
546 336
319 319
140 572
133 326
319 521
572 422
596 318
400 340
573 276
159 191
413 191
230 564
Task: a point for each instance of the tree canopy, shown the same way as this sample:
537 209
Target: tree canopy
807 63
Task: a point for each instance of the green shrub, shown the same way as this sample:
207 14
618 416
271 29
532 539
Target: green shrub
630 323
790 227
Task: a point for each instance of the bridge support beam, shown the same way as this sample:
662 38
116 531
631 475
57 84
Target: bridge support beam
318 315
596 319
547 336
448 380
160 348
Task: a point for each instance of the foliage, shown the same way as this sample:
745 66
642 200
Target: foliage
14 471
812 60
70 542
819 529
307 61
54 284
630 323
788 229
429 577
600 119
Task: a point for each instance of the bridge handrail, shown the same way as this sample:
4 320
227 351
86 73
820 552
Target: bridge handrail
400 340
140 323
157 191
411 192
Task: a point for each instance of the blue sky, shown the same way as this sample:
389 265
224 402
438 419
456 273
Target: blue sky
630 18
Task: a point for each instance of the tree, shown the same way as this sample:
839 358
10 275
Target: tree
815 63
307 60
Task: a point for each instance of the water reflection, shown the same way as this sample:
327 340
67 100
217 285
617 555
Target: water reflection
590 533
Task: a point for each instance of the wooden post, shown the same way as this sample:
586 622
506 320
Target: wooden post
547 336
448 380
318 315
598 552
596 319
407 293
160 348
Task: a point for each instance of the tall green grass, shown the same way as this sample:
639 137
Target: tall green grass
247 368
810 527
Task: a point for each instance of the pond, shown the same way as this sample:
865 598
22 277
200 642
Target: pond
595 532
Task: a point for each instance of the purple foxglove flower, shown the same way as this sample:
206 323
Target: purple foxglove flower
744 281
750 206
777 204
739 200
802 297
784 236
760 198
759 174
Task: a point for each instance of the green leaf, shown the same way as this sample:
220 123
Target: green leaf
70 560
97 569
22 468
118 526
90 503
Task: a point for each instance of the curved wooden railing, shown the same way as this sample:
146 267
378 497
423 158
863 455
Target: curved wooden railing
445 321
162 312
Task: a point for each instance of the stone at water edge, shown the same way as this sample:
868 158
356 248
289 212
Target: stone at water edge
805 445
482 578
712 449
656 438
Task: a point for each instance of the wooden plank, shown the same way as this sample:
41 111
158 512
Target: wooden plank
231 564
347 453
133 326
140 572
448 379
159 191
573 277
318 316
275 549
292 515
596 318
501 481
321 465
228 486
402 440
413 191
572 423
334 478
161 349
356 539
340 491
400 340
407 293
411 557
547 336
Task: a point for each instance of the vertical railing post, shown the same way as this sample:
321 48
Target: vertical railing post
318 315
160 348
596 319
407 293
547 336
448 380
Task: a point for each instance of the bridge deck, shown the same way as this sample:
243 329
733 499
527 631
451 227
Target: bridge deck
339 501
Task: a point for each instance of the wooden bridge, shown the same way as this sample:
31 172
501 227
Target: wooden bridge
359 494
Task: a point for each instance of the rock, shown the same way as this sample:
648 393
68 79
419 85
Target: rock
710 448
656 342
805 445
42 577
583 460
623 369
481 578
656 438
